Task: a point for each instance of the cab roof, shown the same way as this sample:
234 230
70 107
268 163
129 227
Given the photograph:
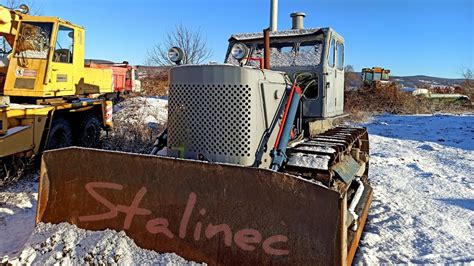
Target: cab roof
281 34
49 19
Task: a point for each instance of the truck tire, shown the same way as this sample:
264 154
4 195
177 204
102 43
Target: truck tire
60 134
89 131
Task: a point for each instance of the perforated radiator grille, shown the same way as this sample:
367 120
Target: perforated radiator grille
212 120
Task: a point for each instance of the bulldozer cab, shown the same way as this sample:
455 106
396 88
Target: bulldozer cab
317 52
370 75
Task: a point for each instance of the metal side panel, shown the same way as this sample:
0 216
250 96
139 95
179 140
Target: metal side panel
221 112
348 169
16 139
214 213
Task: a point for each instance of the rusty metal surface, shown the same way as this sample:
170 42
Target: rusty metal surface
219 214
347 169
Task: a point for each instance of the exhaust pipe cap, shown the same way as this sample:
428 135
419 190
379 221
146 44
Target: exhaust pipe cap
298 20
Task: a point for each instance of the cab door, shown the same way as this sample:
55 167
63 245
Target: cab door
62 63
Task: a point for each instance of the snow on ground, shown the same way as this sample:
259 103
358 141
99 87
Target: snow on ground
423 209
66 244
149 110
21 243
137 123
422 212
17 216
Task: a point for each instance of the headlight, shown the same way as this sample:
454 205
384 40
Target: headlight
239 51
24 9
176 55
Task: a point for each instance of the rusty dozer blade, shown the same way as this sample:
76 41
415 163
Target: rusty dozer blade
214 213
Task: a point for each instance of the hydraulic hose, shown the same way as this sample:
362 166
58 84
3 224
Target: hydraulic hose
279 149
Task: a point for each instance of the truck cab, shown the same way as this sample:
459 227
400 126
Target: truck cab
48 98
47 58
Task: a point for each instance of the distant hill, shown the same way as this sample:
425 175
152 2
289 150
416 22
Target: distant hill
420 81
404 81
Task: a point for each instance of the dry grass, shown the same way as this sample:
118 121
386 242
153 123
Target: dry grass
466 90
128 137
156 84
13 169
365 102
383 99
131 133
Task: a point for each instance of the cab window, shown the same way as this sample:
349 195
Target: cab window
340 56
64 48
332 50
33 40
368 76
377 76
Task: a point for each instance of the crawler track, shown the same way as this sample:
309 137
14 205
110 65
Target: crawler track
335 158
327 156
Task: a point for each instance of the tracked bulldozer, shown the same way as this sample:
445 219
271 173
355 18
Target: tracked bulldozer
251 169
376 78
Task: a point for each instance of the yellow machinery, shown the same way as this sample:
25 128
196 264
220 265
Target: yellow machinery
48 99
375 74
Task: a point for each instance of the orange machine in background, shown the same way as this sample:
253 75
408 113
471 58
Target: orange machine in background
125 75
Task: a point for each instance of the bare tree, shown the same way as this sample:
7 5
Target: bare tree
468 78
15 4
191 41
468 84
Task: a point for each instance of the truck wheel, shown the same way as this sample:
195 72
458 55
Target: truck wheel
60 134
90 132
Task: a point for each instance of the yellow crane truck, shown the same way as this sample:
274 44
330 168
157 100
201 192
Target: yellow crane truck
48 98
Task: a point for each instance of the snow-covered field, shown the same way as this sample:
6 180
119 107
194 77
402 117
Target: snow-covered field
422 171
423 208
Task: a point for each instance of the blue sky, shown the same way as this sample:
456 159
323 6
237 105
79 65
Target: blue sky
430 37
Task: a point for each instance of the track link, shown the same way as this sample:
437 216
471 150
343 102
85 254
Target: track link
336 154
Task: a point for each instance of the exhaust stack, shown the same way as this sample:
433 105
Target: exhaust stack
298 20
274 16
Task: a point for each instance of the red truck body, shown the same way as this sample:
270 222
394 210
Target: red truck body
124 74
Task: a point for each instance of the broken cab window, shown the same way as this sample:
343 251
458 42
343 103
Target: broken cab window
34 40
